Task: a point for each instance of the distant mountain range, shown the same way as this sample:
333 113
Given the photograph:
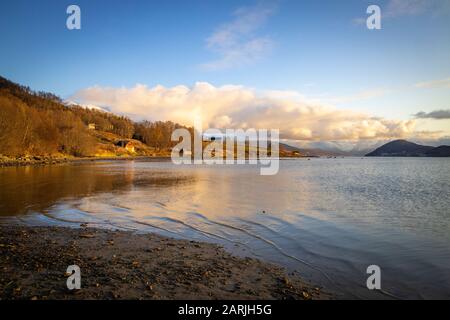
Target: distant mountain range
403 148
308 152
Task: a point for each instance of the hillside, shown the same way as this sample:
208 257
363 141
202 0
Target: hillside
441 151
111 145
403 148
286 149
40 124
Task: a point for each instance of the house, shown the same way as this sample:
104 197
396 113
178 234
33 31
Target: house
128 145
185 153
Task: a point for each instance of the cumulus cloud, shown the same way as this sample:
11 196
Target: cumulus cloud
437 115
237 42
233 106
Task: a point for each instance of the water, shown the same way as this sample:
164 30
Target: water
327 219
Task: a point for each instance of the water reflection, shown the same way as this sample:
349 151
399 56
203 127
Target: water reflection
326 218
25 189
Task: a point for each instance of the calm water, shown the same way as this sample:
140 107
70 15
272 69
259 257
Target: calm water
327 219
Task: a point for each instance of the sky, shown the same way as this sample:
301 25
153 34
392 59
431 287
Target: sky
310 68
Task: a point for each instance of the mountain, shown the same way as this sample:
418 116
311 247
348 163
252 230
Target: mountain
308 152
403 148
441 151
43 125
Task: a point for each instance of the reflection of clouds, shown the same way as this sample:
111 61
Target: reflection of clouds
41 187
326 212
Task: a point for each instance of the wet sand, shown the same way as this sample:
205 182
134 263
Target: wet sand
125 265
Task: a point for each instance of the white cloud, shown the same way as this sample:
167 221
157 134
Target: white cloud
400 8
396 8
233 106
362 95
440 83
237 42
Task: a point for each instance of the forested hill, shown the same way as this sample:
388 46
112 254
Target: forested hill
39 123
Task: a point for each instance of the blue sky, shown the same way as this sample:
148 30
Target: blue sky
318 49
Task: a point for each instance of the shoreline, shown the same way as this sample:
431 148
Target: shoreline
127 265
46 161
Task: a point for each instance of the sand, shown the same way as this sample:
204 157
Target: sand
125 265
